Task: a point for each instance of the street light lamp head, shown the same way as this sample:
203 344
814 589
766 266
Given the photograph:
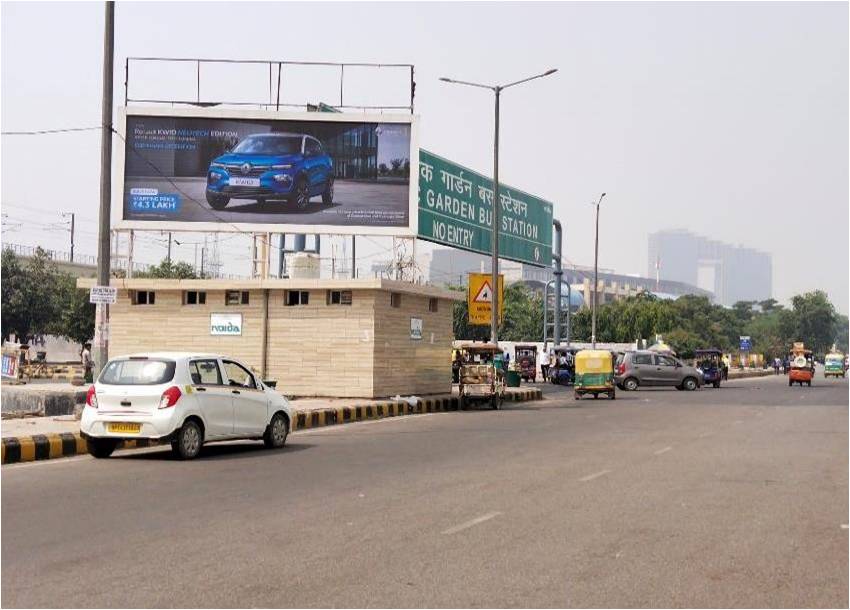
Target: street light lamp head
444 79
550 71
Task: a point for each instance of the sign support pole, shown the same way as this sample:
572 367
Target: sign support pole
103 258
558 273
494 322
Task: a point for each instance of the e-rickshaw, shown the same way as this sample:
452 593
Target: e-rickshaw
481 380
594 373
563 372
525 357
833 365
802 366
709 361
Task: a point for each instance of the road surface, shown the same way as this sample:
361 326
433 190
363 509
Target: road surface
721 498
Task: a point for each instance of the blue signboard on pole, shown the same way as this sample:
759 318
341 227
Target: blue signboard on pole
746 344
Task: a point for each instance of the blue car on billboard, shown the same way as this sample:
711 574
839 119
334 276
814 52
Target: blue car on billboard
287 167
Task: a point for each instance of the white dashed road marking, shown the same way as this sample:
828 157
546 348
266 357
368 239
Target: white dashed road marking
665 450
595 475
470 523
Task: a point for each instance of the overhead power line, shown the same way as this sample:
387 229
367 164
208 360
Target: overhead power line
42 132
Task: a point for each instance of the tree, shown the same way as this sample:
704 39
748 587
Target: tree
523 319
76 319
170 270
840 333
13 313
769 305
815 319
31 303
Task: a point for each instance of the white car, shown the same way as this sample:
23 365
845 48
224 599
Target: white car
182 398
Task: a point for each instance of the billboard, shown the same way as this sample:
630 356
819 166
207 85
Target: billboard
226 170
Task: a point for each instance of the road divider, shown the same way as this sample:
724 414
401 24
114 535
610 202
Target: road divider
17 449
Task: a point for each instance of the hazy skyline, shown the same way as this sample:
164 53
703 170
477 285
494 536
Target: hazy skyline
726 119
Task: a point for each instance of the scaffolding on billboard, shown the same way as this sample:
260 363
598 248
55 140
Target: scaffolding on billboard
276 83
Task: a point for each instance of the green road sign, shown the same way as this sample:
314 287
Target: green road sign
455 209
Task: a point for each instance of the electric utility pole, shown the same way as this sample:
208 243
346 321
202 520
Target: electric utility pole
103 253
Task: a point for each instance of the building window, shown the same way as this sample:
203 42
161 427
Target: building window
296 297
339 297
395 299
144 297
236 297
432 304
194 297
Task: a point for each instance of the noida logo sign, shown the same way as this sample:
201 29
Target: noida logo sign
225 323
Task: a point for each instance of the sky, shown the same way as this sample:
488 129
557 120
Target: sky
726 119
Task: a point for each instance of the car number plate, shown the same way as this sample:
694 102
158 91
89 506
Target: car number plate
124 428
244 182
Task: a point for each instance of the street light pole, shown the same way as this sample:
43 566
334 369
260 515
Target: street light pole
497 90
595 276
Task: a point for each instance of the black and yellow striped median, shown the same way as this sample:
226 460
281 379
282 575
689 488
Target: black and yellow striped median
49 446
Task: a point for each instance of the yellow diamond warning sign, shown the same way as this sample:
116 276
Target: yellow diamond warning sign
480 297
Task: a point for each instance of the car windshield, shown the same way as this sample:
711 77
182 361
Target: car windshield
138 372
269 145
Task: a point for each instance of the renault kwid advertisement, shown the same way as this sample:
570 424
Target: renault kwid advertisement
242 169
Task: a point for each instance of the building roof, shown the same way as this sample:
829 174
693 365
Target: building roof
279 284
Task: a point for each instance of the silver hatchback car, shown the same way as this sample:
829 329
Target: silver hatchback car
646 368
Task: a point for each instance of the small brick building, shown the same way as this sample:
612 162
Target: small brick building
365 338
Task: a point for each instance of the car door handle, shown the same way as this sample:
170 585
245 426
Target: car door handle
201 389
126 403
235 392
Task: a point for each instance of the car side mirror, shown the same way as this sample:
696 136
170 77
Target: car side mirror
678 365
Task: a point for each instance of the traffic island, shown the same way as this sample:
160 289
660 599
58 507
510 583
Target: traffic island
67 444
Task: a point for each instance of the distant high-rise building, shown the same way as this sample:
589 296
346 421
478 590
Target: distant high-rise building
732 273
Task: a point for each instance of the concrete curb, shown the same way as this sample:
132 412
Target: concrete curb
18 449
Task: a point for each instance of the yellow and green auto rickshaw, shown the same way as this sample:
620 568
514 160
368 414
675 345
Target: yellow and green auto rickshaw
833 364
594 373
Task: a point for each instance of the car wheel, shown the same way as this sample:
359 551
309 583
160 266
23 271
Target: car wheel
790 383
276 432
613 395
101 447
328 194
689 384
302 193
187 444
716 384
630 384
217 202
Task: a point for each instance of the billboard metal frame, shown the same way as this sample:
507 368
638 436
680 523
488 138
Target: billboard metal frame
276 72
226 226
